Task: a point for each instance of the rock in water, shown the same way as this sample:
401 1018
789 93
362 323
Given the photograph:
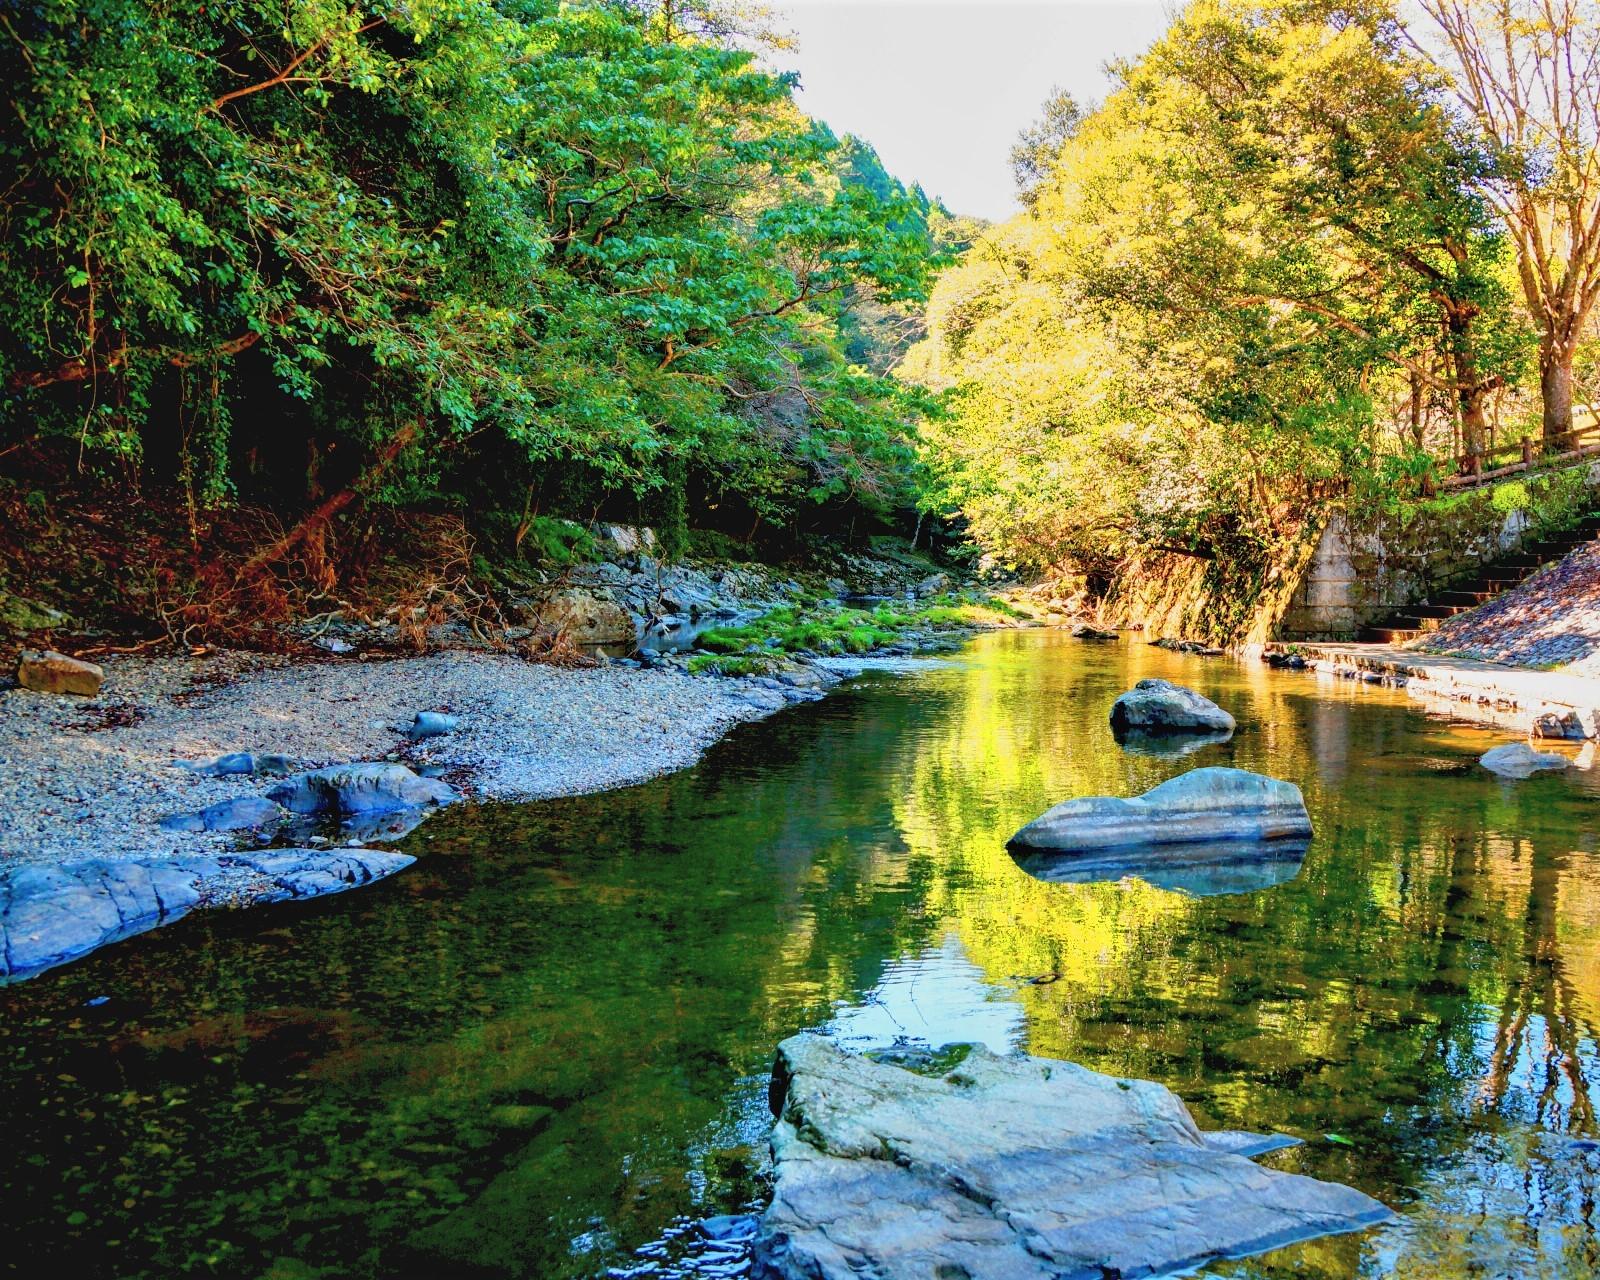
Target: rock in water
1013 1169
313 873
49 915
351 789
1084 631
46 671
1201 805
1519 760
1159 706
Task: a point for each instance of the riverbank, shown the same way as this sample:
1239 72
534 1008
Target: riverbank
1528 660
1527 700
94 785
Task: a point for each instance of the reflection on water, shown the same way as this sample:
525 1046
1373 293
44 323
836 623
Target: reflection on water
547 1040
933 997
1202 869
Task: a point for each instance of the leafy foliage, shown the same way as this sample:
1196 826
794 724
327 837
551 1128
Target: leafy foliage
453 251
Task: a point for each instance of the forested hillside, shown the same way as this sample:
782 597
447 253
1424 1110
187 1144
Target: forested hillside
496 261
1304 251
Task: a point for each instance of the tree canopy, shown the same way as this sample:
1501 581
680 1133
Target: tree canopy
452 246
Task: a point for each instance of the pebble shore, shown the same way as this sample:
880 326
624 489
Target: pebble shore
94 777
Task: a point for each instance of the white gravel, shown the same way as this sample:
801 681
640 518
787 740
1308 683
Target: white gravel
77 780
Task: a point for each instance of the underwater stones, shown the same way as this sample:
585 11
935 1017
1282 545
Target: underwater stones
1519 760
1013 1168
52 914
1159 706
46 671
1203 805
352 789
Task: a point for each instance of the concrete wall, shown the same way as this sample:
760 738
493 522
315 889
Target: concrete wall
1359 576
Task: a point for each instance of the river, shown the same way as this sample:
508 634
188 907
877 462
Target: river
546 1042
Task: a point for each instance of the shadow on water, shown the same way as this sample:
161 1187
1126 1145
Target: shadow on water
548 1039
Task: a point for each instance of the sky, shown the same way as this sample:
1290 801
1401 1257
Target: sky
941 88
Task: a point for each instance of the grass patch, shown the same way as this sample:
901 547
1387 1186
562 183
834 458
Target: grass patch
791 630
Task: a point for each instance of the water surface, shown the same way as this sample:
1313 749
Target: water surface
548 1040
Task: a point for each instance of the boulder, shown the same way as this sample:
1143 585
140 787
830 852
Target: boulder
585 616
1013 1168
935 584
1199 806
1083 631
47 671
52 914
1519 760
1571 725
246 813
1159 706
244 762
431 724
352 789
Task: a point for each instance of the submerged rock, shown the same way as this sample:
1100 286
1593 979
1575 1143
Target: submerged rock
1519 760
1201 805
351 789
46 671
52 914
1083 631
1014 1168
1159 706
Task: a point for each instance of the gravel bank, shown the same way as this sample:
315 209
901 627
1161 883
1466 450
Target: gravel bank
82 778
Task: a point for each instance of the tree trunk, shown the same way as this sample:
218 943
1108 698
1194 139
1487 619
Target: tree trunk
1555 387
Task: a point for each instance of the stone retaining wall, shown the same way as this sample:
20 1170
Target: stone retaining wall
1368 566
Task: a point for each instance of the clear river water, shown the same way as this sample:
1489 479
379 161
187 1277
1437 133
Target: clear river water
547 1042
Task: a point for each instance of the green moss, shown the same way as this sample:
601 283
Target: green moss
733 664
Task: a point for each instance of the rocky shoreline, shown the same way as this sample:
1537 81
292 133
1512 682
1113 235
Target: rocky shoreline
140 785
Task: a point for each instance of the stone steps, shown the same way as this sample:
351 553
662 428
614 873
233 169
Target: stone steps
1491 581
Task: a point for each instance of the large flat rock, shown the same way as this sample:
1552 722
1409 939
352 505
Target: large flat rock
1014 1168
1215 804
52 914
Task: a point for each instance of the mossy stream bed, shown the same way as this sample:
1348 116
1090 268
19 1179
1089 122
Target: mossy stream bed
547 1041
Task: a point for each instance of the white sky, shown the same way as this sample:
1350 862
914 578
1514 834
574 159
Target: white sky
942 87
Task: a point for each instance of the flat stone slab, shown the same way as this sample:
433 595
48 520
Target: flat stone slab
1203 805
50 915
1014 1168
